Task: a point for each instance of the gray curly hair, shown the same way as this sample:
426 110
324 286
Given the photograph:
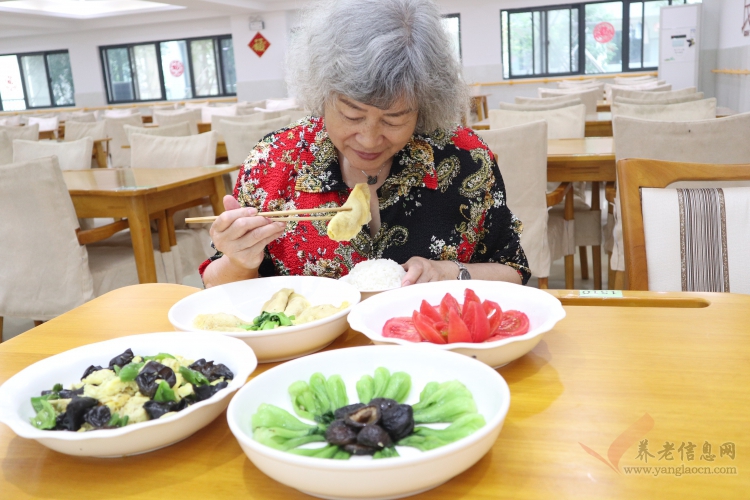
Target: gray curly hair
375 52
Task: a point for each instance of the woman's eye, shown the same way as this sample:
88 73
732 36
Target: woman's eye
353 118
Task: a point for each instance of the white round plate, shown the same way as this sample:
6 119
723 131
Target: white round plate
244 299
543 311
413 471
67 367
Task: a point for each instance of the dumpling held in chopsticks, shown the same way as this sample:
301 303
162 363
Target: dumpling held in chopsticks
345 225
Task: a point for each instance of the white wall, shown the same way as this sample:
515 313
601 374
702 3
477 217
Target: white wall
733 91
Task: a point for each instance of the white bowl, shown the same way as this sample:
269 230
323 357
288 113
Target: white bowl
366 294
543 311
244 299
67 367
361 477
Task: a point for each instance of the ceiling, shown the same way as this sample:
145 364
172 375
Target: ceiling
43 17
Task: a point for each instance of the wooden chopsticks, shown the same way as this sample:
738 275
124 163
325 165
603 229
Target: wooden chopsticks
282 215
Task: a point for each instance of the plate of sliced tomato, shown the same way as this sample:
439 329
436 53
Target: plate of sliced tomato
494 322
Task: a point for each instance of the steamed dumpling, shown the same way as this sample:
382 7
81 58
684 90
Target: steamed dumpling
297 303
319 312
346 225
220 322
277 303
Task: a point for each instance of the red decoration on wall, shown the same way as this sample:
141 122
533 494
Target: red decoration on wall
259 44
176 68
604 32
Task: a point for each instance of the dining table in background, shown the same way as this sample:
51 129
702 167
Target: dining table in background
596 126
138 193
619 385
603 106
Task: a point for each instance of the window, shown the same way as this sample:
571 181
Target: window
452 24
585 38
37 80
169 70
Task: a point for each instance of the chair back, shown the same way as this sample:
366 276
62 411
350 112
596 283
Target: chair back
589 97
81 116
46 272
646 95
248 108
196 104
563 123
680 112
670 100
634 80
73 155
153 151
717 141
572 84
256 117
539 106
241 138
281 104
192 116
75 130
27 133
521 154
613 91
6 149
45 124
547 100
115 128
10 120
119 113
180 129
690 240
209 111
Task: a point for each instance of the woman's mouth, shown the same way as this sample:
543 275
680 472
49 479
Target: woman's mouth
367 156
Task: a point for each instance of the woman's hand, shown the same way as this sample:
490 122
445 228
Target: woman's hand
421 270
242 236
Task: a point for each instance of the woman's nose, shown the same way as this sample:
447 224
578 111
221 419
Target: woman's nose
369 136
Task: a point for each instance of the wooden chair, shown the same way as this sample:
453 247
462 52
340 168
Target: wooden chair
634 174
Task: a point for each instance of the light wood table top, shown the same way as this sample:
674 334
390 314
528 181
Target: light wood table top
140 194
587 159
664 374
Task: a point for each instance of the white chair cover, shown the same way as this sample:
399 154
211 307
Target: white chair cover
180 129
27 133
115 128
208 111
521 154
612 91
673 100
572 84
241 138
563 123
646 95
75 130
697 239
539 107
196 104
634 80
280 104
10 120
718 140
588 97
192 116
45 124
680 112
81 116
119 113
548 100
248 108
73 155
6 149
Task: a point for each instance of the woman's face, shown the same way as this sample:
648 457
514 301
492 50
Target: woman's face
368 136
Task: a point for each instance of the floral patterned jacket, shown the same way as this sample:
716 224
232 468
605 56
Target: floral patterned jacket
443 200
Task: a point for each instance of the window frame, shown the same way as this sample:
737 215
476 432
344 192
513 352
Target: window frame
218 56
44 54
457 15
581 7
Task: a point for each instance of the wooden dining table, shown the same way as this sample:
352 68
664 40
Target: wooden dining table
617 401
596 126
136 193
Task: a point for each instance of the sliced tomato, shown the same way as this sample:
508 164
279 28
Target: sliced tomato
429 310
494 314
469 296
442 327
449 302
476 319
426 329
457 329
514 323
401 328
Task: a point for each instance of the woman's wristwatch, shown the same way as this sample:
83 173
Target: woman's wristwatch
463 273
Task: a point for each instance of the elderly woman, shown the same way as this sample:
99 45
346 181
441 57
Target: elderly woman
387 94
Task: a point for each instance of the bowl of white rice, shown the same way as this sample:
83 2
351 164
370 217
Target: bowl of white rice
371 277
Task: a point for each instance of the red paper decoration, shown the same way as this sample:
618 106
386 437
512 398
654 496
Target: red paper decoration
259 44
604 32
176 68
